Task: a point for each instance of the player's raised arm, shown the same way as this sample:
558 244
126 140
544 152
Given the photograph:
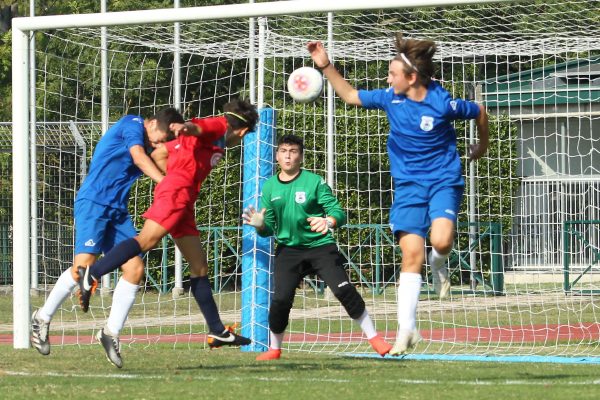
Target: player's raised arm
478 150
341 86
145 163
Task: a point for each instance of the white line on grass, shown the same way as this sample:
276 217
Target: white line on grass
477 382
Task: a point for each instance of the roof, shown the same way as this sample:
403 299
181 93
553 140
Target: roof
576 81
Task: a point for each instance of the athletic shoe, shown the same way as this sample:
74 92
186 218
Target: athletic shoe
405 341
39 334
271 354
441 283
112 347
227 338
87 287
380 345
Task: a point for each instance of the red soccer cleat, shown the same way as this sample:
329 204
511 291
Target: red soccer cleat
380 345
271 354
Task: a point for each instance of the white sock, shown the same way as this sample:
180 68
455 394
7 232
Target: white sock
437 260
123 299
62 289
407 296
276 340
366 324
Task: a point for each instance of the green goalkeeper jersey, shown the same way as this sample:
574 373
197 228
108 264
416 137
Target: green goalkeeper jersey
289 204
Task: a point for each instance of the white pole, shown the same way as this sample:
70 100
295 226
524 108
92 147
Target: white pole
21 203
178 288
563 147
472 217
104 72
33 158
476 95
104 106
252 60
330 109
229 11
262 22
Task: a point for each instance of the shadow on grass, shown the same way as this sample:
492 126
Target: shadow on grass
326 363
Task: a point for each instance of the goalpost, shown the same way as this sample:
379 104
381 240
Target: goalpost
526 257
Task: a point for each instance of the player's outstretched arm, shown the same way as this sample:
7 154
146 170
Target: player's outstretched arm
341 86
145 163
479 149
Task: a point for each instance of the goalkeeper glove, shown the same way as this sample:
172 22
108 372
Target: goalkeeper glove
254 218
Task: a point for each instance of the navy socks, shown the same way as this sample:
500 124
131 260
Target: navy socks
116 257
203 295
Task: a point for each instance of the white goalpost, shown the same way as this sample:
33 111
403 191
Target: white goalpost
525 268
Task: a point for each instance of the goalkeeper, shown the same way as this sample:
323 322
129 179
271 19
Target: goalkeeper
299 208
187 162
101 216
424 164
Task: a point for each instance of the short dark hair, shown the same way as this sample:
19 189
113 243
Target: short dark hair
165 117
291 140
241 113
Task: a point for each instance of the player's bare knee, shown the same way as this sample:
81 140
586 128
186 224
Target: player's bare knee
146 242
133 273
412 259
442 245
442 237
350 299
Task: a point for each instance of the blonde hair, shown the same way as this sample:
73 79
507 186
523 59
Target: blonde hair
416 56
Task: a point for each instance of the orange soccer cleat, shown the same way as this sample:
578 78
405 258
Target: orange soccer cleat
380 345
271 354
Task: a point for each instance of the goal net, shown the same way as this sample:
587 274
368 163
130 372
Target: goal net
525 265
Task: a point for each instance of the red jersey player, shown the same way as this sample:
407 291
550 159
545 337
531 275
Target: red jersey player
187 162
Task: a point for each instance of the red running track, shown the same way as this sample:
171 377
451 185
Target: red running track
507 334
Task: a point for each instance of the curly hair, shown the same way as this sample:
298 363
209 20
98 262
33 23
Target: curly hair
241 114
417 56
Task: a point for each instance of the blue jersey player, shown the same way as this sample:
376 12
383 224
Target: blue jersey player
424 164
102 218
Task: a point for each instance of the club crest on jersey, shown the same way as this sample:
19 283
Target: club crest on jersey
453 104
300 197
426 123
214 160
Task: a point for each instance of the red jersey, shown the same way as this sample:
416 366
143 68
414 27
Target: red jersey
191 158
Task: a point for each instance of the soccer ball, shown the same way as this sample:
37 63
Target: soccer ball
305 84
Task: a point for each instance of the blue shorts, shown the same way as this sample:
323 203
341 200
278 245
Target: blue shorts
98 228
416 204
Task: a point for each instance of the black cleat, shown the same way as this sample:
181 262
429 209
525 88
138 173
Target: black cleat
112 347
87 287
227 338
39 334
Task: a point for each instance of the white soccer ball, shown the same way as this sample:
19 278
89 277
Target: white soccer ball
305 84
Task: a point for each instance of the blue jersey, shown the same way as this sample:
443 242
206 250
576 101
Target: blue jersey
112 171
422 140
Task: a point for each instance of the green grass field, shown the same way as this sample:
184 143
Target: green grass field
165 372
